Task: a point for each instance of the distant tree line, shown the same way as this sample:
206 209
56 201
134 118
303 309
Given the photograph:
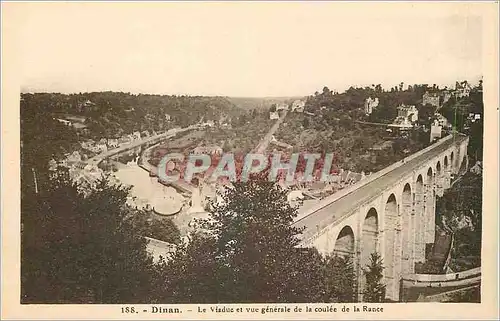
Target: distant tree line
112 114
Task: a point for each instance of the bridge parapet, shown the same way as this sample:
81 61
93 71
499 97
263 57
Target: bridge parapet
444 277
343 192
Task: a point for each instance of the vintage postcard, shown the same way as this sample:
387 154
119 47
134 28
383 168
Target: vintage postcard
237 160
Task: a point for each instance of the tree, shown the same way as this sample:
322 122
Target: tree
81 249
425 113
248 251
188 277
162 229
469 295
340 279
256 244
374 290
305 122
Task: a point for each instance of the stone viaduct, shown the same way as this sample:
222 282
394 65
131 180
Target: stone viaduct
391 212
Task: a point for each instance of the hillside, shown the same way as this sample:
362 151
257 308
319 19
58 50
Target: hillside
112 114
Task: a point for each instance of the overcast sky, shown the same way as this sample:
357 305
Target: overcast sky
244 49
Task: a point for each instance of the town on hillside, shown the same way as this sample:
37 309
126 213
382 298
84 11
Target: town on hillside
120 140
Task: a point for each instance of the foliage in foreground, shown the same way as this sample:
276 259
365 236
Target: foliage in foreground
89 248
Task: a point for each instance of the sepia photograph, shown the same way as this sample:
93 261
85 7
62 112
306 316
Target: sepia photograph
256 159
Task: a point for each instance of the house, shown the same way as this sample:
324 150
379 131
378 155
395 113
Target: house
91 168
295 197
136 135
64 121
436 130
209 123
462 89
223 120
274 115
86 104
74 157
79 126
431 99
87 144
298 106
209 149
124 140
52 165
401 123
168 117
410 112
279 144
281 106
446 94
112 143
473 117
76 119
370 104
477 168
442 121
101 147
81 165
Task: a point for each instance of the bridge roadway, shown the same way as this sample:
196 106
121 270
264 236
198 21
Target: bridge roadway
344 206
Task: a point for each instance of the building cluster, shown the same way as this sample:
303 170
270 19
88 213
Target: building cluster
77 122
439 122
309 193
406 118
462 89
85 105
105 144
207 150
437 98
273 115
473 117
409 112
370 105
297 106
81 172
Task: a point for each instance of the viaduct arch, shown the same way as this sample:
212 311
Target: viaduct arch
391 212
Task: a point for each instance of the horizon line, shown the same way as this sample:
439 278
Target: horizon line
470 80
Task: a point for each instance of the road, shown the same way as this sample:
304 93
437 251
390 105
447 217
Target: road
172 132
371 123
342 207
264 143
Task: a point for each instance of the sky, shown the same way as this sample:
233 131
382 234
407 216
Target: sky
243 49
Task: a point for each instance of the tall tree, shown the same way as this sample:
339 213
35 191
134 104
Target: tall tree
256 244
340 279
81 249
374 289
248 251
